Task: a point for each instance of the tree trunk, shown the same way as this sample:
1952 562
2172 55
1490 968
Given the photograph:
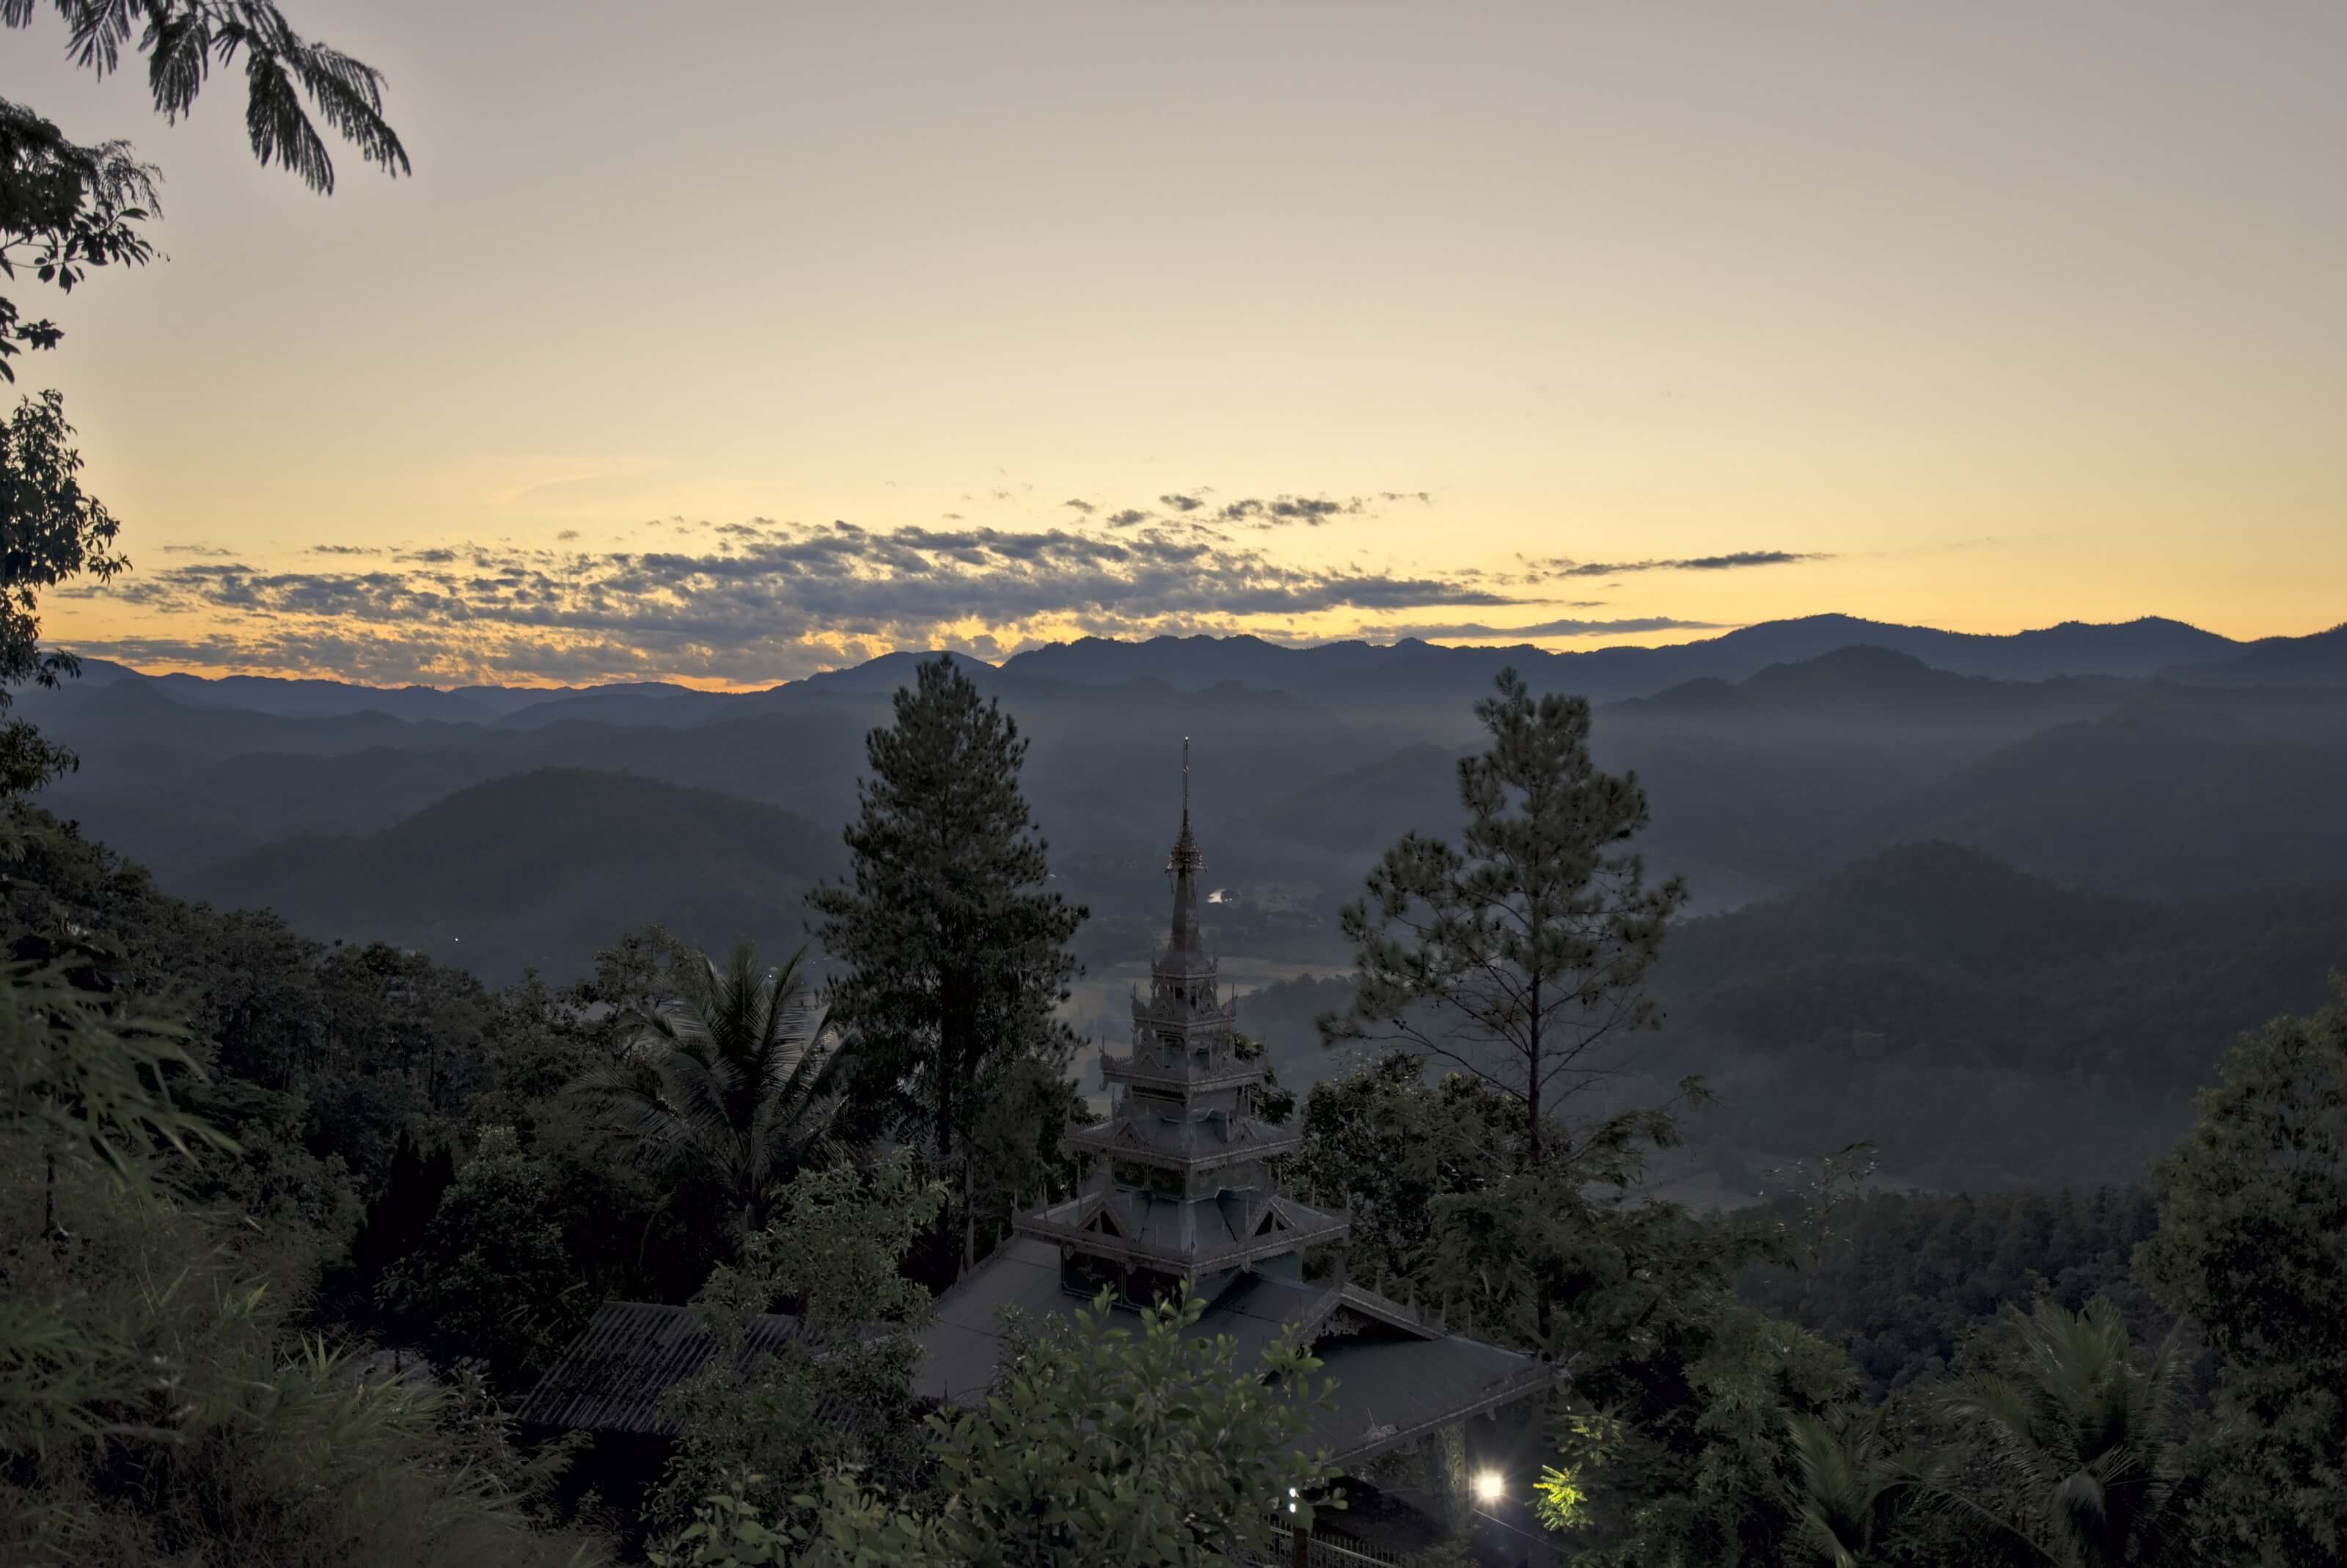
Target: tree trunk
1458 1500
1533 1066
968 1215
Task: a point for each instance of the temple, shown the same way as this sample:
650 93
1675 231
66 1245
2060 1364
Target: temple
1178 1188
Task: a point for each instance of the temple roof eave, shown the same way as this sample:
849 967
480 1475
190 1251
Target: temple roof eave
1301 1227
1103 1138
1126 1070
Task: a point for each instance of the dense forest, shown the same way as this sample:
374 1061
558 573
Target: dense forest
293 1226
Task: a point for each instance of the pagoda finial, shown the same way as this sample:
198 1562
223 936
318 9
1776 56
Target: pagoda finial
1185 857
1183 866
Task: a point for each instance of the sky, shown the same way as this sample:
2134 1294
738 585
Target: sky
727 342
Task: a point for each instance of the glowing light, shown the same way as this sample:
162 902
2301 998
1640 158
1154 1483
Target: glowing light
1490 1486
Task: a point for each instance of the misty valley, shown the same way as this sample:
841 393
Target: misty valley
2001 924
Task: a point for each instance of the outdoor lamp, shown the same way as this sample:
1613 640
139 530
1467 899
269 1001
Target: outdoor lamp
1490 1486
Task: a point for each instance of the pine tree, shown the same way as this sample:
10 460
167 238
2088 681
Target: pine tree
1519 958
956 950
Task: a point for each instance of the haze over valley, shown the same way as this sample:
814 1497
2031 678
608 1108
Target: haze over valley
1878 804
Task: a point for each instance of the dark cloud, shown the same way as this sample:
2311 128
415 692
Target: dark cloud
213 551
1746 557
1086 507
1562 566
340 551
1181 503
1131 516
767 602
1311 510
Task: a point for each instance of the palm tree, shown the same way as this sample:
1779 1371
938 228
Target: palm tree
1851 1484
2088 1439
733 1082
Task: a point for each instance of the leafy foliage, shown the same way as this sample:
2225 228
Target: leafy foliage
1381 1143
1098 1444
839 1394
489 1284
155 1404
89 1086
183 39
50 529
2253 1245
67 208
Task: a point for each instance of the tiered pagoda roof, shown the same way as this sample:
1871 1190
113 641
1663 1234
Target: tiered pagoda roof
1179 1185
1180 1188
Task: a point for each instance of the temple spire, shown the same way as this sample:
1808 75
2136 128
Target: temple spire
1183 866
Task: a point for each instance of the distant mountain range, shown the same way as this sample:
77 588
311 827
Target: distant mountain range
2137 648
2099 757
1410 674
2317 661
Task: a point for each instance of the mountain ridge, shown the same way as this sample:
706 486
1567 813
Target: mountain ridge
541 868
1346 669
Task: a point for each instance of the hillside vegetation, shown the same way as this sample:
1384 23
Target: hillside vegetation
537 868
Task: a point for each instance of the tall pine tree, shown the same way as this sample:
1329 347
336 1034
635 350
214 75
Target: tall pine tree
1519 958
956 952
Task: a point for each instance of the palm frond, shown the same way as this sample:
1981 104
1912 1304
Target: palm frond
280 131
734 1079
2091 1435
177 61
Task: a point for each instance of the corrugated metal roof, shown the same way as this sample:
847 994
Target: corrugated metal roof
1395 1376
1390 1392
612 1376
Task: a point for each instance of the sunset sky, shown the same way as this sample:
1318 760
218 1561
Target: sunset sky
732 340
